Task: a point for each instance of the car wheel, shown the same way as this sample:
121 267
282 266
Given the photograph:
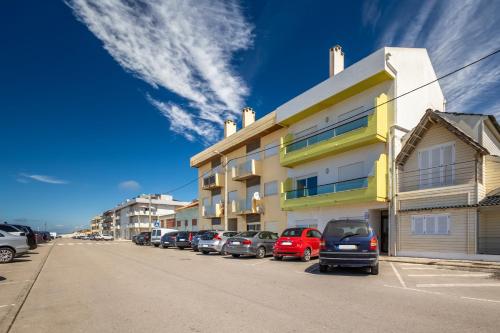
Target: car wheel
279 258
323 268
374 270
307 255
261 253
235 255
181 248
204 252
156 245
6 255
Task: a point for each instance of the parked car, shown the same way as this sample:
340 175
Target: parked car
196 239
11 246
12 229
46 236
183 239
53 235
298 242
30 235
98 237
252 243
107 237
134 239
157 233
85 237
215 241
349 243
144 238
168 239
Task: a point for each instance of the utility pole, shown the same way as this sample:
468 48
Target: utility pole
149 213
225 189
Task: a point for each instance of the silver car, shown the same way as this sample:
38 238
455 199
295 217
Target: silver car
252 243
215 241
12 246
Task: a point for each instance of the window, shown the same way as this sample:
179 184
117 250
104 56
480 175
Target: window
178 223
194 222
186 223
293 232
270 188
436 166
436 224
216 221
271 149
316 234
232 196
351 171
253 227
307 186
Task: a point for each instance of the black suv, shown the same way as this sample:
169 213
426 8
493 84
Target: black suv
184 238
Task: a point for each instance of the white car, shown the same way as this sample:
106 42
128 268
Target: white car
11 246
107 237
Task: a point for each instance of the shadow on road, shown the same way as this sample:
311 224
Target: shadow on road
2 278
19 260
342 271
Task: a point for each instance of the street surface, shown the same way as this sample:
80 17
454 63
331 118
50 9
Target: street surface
88 286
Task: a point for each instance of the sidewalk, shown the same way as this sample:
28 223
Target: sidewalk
444 262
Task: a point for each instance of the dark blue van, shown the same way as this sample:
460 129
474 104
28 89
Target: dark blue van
349 243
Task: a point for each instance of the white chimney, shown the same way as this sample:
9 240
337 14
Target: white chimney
229 128
248 117
336 60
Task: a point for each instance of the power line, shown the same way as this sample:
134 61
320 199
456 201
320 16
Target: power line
344 121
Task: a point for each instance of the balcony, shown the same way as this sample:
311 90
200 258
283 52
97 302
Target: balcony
245 207
249 169
372 188
140 213
214 180
365 128
212 211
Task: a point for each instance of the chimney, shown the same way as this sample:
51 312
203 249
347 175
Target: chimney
229 128
248 117
336 60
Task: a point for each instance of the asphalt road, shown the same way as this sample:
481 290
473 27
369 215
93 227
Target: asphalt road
88 286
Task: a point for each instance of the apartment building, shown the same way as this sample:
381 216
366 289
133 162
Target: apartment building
96 224
342 135
448 199
186 217
108 224
139 214
240 176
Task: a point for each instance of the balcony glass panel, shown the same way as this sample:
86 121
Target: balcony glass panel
328 134
346 185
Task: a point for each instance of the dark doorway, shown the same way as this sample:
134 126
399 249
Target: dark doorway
384 231
232 224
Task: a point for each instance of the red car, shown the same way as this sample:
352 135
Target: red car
298 242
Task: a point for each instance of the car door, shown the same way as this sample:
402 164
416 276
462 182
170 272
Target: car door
313 239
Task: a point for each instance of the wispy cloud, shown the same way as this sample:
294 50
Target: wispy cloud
454 34
129 185
185 46
26 178
371 13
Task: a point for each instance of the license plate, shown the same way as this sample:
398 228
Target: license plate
286 243
204 245
181 240
347 247
236 243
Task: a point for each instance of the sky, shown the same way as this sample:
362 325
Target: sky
102 100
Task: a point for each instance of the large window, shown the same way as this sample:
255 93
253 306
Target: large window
436 166
270 188
435 224
307 186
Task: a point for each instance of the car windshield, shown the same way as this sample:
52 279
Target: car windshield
8 228
248 234
292 232
345 228
208 235
183 234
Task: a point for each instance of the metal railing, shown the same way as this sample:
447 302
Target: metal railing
346 185
343 128
440 176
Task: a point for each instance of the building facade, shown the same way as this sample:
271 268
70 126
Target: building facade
186 218
448 200
242 170
343 134
96 224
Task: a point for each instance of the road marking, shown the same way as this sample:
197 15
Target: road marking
413 289
453 275
480 299
403 284
422 268
453 285
6 305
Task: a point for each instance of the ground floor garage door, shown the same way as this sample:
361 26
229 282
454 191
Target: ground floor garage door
489 230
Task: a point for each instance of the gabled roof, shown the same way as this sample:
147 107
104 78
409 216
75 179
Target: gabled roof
466 126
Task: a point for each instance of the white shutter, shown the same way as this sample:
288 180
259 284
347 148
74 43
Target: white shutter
448 160
424 163
417 225
443 224
351 171
435 165
430 225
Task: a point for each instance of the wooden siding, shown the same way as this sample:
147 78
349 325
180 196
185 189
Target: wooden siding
431 199
461 238
492 173
491 141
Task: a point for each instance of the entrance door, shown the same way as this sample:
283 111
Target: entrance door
384 231
232 224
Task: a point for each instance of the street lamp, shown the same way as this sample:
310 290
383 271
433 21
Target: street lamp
225 188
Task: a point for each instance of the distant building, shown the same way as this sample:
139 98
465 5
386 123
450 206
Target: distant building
186 217
96 224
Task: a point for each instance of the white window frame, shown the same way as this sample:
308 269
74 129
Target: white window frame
441 166
427 218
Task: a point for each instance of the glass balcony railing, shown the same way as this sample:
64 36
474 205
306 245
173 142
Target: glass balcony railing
247 169
346 185
328 134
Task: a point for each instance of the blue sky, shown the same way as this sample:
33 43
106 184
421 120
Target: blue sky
102 100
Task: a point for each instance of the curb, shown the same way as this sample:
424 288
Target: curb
444 262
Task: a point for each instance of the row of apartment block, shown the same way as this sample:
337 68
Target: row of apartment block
332 153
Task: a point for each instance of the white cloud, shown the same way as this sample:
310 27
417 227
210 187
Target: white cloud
454 33
370 13
185 46
129 185
25 178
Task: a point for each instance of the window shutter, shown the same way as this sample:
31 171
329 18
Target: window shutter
417 225
443 226
430 225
